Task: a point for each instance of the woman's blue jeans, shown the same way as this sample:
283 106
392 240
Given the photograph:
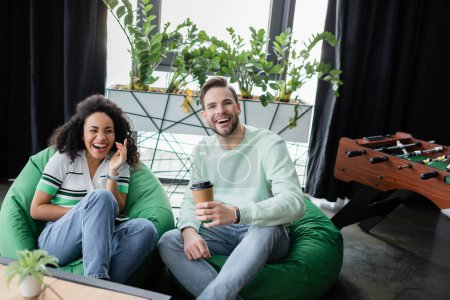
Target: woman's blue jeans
248 247
89 230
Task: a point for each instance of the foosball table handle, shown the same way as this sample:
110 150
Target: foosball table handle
379 159
428 175
355 153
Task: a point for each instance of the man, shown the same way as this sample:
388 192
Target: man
256 194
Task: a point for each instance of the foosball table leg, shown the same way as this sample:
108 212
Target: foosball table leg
369 207
351 212
383 208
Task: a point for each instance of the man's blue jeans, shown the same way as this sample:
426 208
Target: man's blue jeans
88 230
248 247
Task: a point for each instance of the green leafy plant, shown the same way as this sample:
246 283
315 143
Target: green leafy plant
195 58
30 263
196 55
246 66
201 61
297 67
147 49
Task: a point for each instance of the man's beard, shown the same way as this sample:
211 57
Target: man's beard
227 132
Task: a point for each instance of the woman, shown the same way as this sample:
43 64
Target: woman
83 188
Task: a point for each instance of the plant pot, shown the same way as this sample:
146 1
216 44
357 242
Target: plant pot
30 287
159 112
275 117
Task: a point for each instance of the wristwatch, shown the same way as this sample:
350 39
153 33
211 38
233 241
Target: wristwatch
115 178
237 215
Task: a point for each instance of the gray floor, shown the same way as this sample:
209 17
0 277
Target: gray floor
406 256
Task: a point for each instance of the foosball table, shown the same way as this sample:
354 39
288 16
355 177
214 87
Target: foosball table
397 163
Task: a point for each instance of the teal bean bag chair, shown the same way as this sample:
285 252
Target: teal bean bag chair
18 231
311 267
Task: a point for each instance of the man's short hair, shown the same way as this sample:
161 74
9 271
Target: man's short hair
216 82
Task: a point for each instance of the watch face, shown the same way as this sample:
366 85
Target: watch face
237 215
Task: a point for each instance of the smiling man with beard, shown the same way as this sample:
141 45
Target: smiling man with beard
256 197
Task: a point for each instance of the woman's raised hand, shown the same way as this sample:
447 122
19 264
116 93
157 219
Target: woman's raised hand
118 159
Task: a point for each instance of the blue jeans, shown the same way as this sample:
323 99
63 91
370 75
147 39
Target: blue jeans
248 247
88 230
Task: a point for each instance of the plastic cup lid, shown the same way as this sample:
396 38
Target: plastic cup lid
200 185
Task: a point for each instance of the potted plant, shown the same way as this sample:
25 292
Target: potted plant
150 108
147 48
196 57
31 267
245 63
297 67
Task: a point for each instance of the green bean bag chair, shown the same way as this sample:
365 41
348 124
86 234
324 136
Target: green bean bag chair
18 231
311 267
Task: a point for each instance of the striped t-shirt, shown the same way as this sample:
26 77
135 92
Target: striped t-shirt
69 181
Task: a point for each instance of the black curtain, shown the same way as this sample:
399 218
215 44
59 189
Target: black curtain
395 59
54 56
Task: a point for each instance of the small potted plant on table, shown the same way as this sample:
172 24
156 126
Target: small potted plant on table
31 268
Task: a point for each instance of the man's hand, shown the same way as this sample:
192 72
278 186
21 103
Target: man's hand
195 247
218 213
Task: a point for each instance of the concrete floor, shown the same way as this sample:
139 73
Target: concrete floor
406 256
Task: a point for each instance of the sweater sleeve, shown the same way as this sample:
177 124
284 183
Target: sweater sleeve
286 205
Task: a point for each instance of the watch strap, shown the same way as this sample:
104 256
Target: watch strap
114 178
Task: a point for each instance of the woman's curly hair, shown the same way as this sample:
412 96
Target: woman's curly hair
68 138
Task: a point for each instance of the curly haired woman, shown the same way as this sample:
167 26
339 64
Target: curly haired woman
84 187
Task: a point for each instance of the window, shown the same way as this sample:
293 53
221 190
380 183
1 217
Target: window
118 61
305 17
215 16
309 19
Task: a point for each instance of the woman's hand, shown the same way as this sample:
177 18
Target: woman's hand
118 159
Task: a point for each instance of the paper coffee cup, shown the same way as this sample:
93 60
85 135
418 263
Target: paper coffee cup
202 191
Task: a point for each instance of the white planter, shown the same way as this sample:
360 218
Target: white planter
29 287
158 112
275 116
